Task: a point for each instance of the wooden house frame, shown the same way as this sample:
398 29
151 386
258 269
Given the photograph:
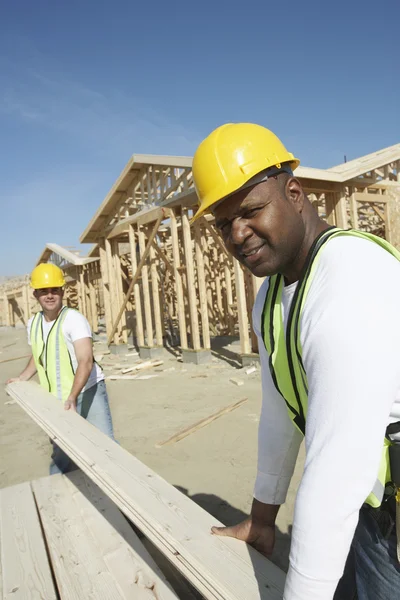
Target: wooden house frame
164 279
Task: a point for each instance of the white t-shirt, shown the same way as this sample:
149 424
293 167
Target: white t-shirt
350 337
75 327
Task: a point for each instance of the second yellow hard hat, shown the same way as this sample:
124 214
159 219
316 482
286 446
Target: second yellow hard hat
47 275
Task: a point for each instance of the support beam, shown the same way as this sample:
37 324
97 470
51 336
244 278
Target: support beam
156 297
106 287
178 281
341 209
136 290
242 309
113 292
191 282
205 329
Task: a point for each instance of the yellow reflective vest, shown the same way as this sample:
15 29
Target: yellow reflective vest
284 348
52 359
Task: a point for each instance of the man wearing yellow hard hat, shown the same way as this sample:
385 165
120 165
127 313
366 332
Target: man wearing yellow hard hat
328 324
62 356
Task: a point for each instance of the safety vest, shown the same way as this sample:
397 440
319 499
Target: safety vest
52 359
284 348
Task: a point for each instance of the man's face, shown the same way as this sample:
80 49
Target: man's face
262 226
50 298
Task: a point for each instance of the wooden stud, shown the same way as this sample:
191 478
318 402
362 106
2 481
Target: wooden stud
242 309
146 291
341 209
191 283
136 290
111 286
202 287
119 289
156 297
178 281
106 288
93 305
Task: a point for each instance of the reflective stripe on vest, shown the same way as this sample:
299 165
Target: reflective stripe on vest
285 352
52 359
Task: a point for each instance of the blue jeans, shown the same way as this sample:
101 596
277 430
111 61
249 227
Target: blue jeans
372 570
93 406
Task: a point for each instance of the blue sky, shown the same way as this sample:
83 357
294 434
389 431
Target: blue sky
84 85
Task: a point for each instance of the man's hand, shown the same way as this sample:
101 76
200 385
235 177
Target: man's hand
70 404
258 530
12 380
258 535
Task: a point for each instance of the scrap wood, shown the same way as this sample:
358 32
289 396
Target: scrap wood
148 364
8 345
220 568
115 377
15 358
192 428
236 381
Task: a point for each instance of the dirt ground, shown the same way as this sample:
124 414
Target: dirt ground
215 465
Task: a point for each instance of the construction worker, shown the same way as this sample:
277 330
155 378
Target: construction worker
62 355
328 324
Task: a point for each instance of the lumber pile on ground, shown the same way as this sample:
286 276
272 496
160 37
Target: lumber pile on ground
64 525
219 568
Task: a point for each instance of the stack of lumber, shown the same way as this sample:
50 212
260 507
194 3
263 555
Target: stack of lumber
219 568
64 525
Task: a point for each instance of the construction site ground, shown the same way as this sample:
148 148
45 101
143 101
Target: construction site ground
215 465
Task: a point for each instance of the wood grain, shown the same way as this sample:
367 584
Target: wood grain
24 562
220 568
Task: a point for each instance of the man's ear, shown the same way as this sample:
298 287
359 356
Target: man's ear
35 294
295 193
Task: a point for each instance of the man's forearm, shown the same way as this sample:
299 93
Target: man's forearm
81 377
264 514
29 370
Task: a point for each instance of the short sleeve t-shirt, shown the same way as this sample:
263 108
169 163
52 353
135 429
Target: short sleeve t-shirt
75 327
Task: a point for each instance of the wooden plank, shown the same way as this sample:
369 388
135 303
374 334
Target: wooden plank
191 282
93 306
136 289
105 550
78 565
149 335
106 288
220 568
205 328
24 562
353 209
156 297
114 335
341 210
378 212
143 217
119 288
122 551
388 223
178 281
366 197
15 358
242 309
199 424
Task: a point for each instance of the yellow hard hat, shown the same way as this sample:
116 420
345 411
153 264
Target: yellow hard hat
230 156
47 275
